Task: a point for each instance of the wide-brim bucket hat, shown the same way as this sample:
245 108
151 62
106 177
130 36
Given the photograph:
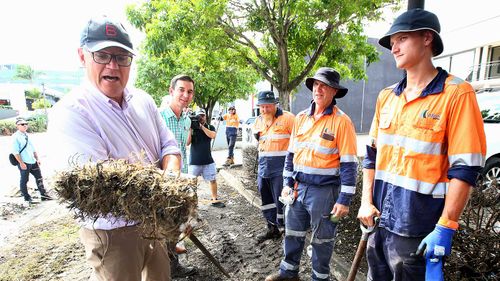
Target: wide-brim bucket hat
414 20
330 77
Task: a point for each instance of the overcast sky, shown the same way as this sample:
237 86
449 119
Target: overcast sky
45 33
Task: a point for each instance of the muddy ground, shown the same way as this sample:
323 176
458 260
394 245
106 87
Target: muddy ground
42 242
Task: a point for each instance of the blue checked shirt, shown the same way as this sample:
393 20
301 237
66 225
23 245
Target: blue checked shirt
180 128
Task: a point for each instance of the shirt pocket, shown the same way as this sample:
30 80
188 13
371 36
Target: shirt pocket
385 118
432 129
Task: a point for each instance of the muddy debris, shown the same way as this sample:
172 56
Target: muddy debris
144 194
7 210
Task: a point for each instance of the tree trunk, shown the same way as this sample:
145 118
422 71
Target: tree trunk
284 98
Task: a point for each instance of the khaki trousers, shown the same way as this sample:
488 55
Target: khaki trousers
123 255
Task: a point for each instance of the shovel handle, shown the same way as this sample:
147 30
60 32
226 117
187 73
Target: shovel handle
365 232
357 259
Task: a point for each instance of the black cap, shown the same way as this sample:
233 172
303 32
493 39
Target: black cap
266 97
330 77
102 32
414 20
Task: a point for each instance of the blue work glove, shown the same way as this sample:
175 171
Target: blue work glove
437 244
434 269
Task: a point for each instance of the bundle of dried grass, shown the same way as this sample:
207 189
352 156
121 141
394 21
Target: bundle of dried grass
136 192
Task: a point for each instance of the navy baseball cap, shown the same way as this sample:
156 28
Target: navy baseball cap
103 32
414 20
266 97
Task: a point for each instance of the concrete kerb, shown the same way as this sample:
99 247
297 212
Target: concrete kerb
339 267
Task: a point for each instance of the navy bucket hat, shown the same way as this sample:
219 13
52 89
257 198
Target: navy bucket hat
414 20
330 77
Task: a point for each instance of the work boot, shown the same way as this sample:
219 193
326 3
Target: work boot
272 233
178 270
46 197
228 161
278 277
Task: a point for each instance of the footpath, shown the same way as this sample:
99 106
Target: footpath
10 181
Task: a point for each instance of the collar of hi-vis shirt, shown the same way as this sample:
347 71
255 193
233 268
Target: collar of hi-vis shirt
436 86
278 113
328 110
101 96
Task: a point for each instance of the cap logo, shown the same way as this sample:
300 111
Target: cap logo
111 30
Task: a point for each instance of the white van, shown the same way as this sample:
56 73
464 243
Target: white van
489 103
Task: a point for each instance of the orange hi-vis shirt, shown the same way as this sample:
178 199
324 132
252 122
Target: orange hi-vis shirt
232 120
273 142
323 152
418 146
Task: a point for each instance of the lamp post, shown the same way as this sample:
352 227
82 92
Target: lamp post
414 4
43 95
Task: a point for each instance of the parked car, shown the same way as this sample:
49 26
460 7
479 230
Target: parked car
489 104
247 135
6 110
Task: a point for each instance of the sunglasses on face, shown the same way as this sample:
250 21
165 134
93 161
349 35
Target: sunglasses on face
23 124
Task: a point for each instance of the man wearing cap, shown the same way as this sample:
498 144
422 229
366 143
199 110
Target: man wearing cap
319 177
28 161
106 119
427 147
175 116
232 123
272 129
201 162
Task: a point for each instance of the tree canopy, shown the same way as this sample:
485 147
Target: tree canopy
220 74
25 72
282 40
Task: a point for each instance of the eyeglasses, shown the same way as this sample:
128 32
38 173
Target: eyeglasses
105 58
23 124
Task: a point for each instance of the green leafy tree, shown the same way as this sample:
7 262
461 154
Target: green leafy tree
25 72
220 74
282 40
34 93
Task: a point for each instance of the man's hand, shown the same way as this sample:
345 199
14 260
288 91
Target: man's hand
339 210
23 166
257 135
174 173
366 213
38 162
286 191
437 243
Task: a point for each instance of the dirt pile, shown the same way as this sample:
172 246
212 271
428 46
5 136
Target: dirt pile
136 192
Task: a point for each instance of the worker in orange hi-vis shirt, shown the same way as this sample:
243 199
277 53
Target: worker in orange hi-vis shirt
319 177
272 129
232 123
427 147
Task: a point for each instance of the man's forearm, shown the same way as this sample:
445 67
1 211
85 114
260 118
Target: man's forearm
456 199
211 134
18 158
367 193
